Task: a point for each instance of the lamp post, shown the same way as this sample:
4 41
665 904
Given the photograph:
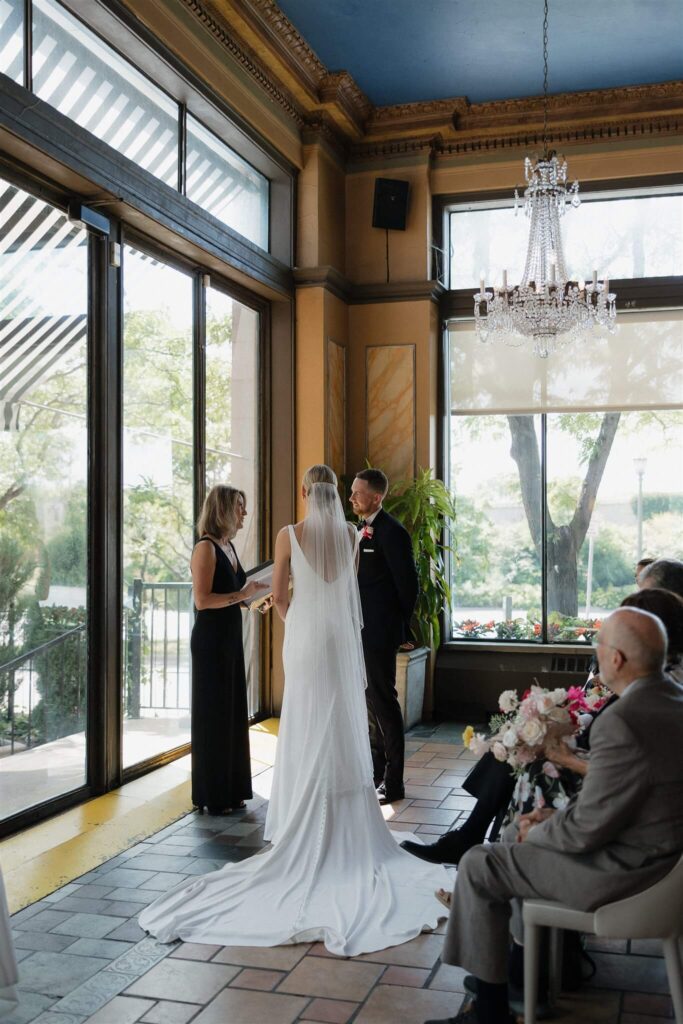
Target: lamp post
639 465
592 531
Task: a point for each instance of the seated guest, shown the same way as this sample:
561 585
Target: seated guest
493 783
668 607
621 833
665 574
640 565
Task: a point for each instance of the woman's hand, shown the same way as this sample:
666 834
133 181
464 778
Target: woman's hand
526 822
253 589
557 751
266 605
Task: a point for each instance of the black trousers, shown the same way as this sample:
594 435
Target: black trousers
385 720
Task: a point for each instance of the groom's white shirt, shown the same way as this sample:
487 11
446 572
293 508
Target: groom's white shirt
368 521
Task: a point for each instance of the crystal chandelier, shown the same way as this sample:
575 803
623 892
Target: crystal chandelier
545 307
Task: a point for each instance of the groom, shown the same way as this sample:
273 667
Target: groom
387 579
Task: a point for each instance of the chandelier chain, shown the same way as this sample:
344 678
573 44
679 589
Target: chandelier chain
547 307
545 78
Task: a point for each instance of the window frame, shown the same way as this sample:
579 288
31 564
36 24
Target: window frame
633 294
118 28
104 734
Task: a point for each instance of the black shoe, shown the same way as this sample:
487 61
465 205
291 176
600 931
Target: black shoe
390 794
467 1015
447 849
516 998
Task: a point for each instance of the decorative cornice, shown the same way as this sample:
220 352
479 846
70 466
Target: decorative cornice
412 116
339 88
320 128
329 106
276 28
571 134
396 147
246 57
629 99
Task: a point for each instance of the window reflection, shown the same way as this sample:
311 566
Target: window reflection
232 345
43 501
74 71
157 506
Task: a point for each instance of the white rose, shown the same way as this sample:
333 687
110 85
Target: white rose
499 751
559 695
544 703
509 738
532 732
508 701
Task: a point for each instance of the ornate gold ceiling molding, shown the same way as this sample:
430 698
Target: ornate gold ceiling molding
267 18
203 10
610 130
339 90
330 107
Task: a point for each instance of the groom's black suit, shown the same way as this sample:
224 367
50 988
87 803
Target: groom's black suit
387 579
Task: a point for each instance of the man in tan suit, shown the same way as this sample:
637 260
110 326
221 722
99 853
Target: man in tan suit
620 834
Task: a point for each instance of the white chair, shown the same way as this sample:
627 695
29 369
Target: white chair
656 913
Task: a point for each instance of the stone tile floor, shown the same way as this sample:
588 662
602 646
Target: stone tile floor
84 958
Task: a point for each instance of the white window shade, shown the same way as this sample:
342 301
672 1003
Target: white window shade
639 367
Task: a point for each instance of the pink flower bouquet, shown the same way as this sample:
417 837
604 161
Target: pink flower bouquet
519 733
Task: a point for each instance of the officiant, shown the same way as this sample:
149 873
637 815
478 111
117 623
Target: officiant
221 766
387 579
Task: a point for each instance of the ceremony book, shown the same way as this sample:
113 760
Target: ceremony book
261 574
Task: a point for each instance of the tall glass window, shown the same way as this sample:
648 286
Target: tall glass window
222 183
85 79
640 236
43 501
12 39
497 544
157 506
232 449
586 492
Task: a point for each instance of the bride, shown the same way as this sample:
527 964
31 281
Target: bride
334 873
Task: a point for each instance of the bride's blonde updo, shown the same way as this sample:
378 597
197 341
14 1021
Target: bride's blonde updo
318 475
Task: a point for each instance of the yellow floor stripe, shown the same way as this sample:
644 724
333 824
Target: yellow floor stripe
53 853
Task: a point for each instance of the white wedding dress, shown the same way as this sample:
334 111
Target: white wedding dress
334 872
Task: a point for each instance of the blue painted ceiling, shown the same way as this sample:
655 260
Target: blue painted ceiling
401 51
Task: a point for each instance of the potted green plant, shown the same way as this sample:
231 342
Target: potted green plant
426 508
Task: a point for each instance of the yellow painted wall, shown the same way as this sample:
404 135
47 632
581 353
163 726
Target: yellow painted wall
366 261
393 323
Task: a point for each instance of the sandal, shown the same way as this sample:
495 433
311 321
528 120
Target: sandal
224 811
444 896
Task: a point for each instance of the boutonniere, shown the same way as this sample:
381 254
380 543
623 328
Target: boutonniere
367 532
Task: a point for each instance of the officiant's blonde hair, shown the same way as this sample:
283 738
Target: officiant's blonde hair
321 474
218 516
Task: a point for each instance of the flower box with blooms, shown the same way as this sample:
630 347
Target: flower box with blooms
561 629
519 733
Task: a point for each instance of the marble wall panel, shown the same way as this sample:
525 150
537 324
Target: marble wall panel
335 439
390 409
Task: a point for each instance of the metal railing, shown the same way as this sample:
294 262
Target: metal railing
43 692
158 625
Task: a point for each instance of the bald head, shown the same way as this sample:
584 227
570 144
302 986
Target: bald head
631 644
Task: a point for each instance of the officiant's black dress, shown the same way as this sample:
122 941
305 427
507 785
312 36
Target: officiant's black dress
221 771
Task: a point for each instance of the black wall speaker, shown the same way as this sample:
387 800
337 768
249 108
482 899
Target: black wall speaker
391 204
